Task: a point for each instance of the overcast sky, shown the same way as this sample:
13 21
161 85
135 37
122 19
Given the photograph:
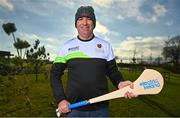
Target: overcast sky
141 25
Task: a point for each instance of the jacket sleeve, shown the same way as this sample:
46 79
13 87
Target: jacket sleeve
112 70
57 70
113 73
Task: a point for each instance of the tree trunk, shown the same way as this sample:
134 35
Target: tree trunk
15 42
36 69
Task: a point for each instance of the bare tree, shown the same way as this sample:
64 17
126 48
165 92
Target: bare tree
134 56
171 50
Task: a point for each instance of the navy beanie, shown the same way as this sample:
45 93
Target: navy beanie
85 11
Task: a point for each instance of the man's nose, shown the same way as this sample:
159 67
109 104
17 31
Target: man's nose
85 21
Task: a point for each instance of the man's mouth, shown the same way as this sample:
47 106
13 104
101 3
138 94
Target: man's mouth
85 28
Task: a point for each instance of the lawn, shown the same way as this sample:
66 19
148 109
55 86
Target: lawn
23 96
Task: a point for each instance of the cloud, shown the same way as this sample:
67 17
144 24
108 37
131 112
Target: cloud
104 32
103 3
28 37
159 10
44 40
152 17
43 9
120 17
101 28
123 9
37 7
143 19
51 44
169 23
47 8
67 3
1 21
143 45
7 4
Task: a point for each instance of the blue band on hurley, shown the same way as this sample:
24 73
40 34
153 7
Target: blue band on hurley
78 104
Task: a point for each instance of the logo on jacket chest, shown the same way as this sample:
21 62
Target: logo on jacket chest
99 48
73 48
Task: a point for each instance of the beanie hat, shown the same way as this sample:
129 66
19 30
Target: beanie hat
85 11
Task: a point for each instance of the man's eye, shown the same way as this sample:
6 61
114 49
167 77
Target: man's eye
80 18
89 18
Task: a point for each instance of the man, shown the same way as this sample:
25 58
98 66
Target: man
88 60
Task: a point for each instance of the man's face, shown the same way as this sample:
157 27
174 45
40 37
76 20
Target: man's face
85 27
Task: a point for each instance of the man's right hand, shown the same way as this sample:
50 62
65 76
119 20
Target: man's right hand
63 106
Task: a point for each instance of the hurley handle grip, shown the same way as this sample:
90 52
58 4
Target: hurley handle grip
78 104
72 106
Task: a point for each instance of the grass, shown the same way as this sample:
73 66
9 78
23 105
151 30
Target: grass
26 97
23 96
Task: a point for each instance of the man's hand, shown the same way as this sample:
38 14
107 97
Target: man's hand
127 94
63 106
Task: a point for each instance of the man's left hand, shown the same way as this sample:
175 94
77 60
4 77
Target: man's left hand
127 94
